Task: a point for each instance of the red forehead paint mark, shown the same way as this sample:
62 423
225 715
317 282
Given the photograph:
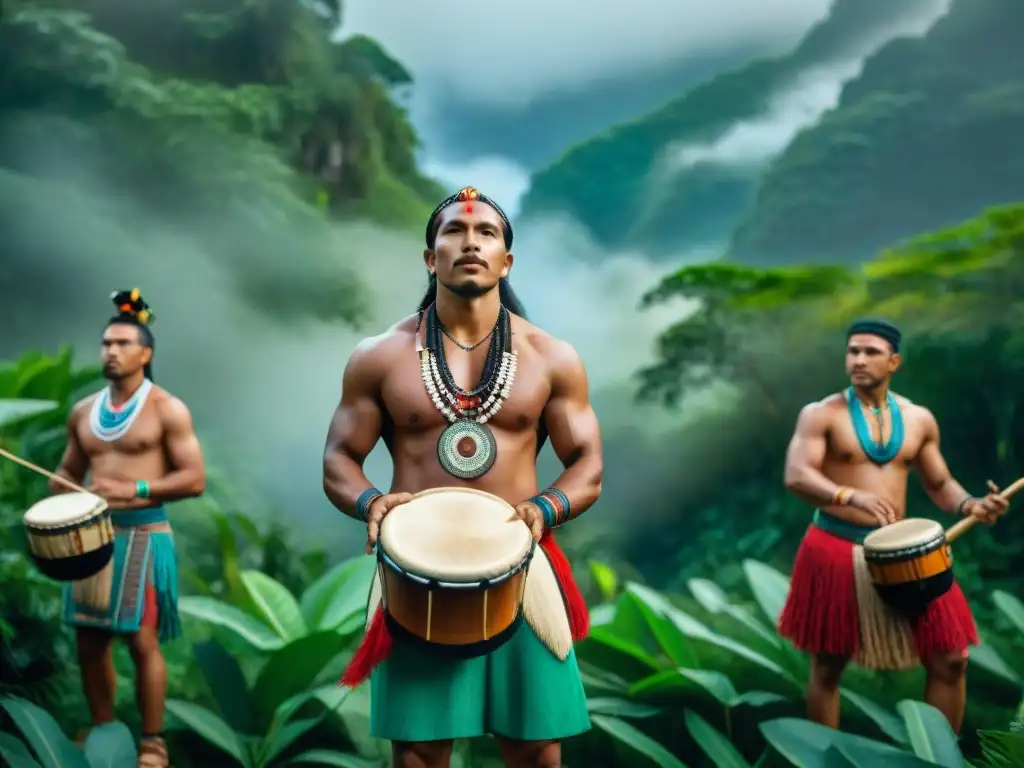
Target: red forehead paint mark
469 208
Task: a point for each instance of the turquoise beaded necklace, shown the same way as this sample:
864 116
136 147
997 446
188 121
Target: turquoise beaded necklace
878 452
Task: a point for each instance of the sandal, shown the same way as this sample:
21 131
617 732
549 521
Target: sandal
153 753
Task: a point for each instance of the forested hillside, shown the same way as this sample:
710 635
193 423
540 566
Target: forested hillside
929 133
241 121
617 184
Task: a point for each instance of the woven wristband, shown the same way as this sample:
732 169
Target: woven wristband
564 508
366 498
547 509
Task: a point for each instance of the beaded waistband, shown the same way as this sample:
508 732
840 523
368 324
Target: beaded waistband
130 518
841 528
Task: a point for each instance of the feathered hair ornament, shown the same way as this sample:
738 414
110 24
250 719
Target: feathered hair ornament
131 306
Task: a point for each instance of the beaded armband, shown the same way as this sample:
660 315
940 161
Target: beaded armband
366 498
554 505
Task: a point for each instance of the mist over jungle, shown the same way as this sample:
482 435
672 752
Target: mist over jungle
250 329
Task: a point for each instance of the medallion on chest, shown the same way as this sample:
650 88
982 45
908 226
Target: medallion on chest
467 448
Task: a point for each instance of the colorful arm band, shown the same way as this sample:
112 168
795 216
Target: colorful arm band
142 489
554 505
366 498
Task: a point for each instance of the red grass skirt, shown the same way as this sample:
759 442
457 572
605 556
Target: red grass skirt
821 612
376 644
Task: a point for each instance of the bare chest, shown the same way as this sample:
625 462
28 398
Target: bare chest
145 437
410 408
845 445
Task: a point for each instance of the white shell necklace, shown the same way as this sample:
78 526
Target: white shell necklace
108 423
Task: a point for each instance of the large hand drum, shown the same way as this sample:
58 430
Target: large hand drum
910 560
453 570
70 536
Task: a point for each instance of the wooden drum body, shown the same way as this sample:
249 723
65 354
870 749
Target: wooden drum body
453 571
910 563
70 536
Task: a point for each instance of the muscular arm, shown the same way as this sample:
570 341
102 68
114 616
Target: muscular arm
805 458
944 491
354 431
74 464
574 431
187 477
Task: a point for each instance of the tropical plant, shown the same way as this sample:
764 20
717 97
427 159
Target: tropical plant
273 655
45 745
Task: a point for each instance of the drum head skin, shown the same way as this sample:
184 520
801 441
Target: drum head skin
911 532
64 509
455 534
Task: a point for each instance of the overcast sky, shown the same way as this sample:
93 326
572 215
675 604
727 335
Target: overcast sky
505 53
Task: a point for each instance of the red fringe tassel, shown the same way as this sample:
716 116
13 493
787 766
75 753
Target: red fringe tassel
820 615
376 643
946 627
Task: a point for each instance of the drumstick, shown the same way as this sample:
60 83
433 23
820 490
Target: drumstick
962 527
41 471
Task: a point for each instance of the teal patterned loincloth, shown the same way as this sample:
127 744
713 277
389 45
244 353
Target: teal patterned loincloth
141 557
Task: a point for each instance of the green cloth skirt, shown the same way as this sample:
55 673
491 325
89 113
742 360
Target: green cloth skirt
520 691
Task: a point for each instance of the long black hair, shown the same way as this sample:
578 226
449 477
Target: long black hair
509 299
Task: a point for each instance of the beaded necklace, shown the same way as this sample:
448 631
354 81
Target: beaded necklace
109 423
876 450
467 448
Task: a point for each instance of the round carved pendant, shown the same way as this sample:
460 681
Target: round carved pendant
466 449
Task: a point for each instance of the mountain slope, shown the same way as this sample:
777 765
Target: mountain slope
928 133
606 183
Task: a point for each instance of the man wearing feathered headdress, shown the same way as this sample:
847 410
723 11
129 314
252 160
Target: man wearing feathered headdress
464 393
137 442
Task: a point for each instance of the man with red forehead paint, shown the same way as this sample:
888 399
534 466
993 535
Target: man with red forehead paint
485 429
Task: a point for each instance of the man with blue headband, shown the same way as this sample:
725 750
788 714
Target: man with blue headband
851 456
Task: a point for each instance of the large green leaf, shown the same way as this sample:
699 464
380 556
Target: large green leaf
605 650
986 657
1011 607
804 743
714 600
227 616
275 605
226 682
931 737
210 727
709 681
12 411
658 613
292 670
332 758
891 725
290 733
338 595
43 735
110 746
769 587
619 708
15 753
637 741
690 628
716 746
